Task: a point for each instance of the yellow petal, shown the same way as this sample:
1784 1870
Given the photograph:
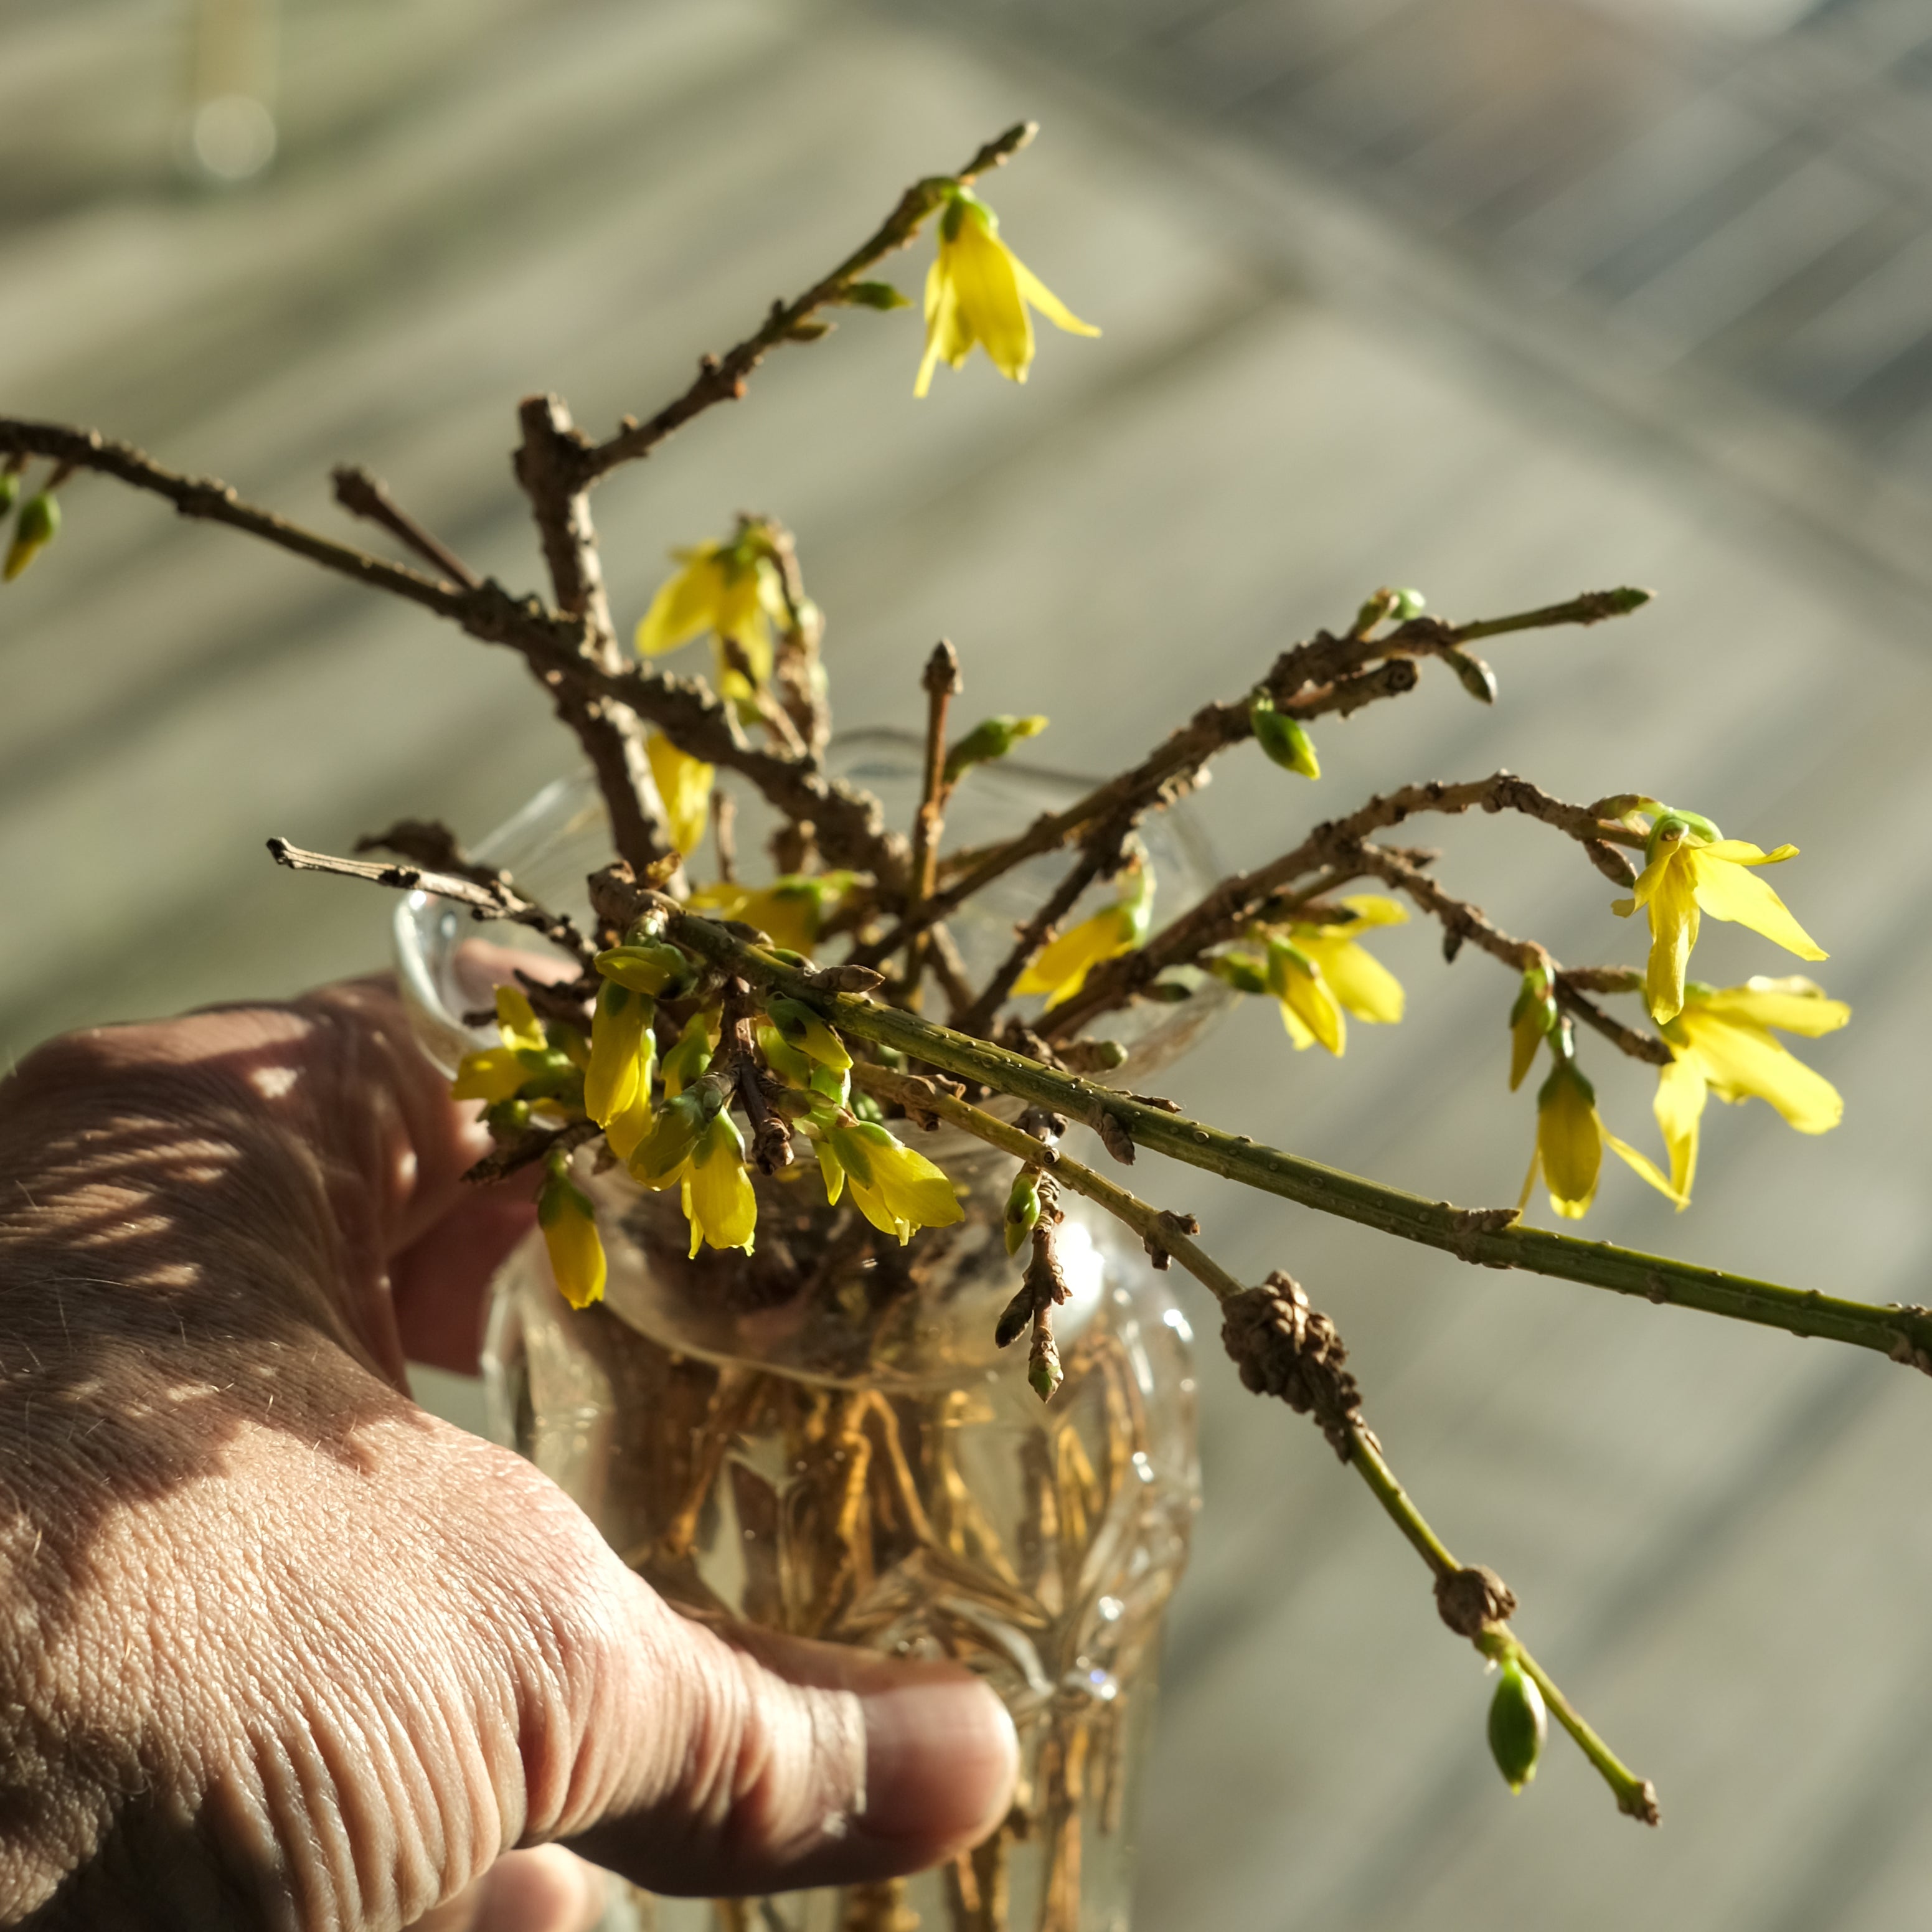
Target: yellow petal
988 297
576 1256
617 1031
517 1020
1742 1061
1375 909
625 1131
1043 298
685 605
915 1190
1793 1004
1316 1006
1727 890
684 784
1060 968
492 1075
1297 1027
1357 978
1673 932
873 1205
718 1193
1679 1109
1642 1165
1741 852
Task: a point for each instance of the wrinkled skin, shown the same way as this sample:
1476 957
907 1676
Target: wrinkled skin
279 1649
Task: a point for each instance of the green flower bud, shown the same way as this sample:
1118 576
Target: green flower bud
1409 604
36 527
1238 971
648 966
1373 612
1676 822
1478 680
9 489
1518 1725
1283 740
507 1118
801 1027
991 738
875 295
1022 1208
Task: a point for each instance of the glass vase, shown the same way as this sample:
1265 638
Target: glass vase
820 1438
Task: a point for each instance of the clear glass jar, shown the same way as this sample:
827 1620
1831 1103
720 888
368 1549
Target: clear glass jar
820 1438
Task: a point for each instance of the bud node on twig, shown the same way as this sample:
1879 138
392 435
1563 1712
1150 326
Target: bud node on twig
1474 1599
1284 1348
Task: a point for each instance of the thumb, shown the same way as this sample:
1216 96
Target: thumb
753 1763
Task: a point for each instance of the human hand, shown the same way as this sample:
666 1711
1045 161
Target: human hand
277 1648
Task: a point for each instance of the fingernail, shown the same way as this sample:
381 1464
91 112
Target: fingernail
941 1760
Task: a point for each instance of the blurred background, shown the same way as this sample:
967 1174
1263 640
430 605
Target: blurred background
1503 298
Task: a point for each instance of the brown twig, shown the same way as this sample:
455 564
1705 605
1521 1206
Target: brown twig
1461 921
722 378
527 1149
795 671
849 823
724 834
1234 904
608 730
1324 674
486 899
942 683
363 495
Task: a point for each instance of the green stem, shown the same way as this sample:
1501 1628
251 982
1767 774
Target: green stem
1488 1237
1634 1795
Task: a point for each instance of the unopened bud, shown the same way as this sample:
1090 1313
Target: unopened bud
1477 680
1238 971
36 526
875 295
1409 604
1283 740
648 966
1519 1722
991 738
1022 1208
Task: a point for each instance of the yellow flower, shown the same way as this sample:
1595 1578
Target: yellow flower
791 910
1690 867
569 1225
732 590
718 1201
494 1074
1723 1045
1309 1009
977 290
623 1048
1357 978
1060 968
897 1190
1570 1142
684 784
